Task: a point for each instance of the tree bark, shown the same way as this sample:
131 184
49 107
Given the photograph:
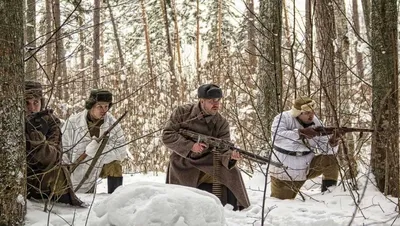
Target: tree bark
96 44
251 37
270 68
359 56
31 66
49 45
198 61
385 113
12 103
309 65
146 35
325 22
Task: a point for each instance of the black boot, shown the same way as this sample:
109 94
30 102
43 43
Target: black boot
327 183
113 183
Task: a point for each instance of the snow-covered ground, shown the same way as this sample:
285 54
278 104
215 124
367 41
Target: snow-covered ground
145 200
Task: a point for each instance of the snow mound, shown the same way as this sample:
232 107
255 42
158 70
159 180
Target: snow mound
151 204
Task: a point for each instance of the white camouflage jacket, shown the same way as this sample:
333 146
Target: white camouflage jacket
285 136
76 137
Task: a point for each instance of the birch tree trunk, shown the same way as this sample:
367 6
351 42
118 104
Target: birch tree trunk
385 113
12 103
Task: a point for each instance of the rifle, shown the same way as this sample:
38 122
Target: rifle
224 145
323 131
83 156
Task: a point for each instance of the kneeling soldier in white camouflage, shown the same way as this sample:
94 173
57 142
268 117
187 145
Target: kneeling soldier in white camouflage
296 144
79 137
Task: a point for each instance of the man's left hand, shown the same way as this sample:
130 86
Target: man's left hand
334 140
235 156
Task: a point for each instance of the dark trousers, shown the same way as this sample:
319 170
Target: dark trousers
227 196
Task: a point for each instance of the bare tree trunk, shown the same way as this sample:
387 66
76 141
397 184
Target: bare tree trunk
49 45
174 82
289 44
309 65
270 66
82 63
346 152
146 34
177 37
61 66
198 63
385 108
12 139
366 5
325 21
116 37
251 37
219 45
96 44
169 45
359 56
31 65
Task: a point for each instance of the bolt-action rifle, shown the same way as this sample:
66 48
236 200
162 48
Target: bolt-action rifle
323 131
224 145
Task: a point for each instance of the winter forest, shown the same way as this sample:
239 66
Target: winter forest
153 54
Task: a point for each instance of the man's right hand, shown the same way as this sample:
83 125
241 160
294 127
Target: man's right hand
198 147
92 148
308 132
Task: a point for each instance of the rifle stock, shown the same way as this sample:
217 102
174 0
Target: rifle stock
224 145
331 130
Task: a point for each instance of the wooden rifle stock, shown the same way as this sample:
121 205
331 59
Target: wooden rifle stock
220 144
331 130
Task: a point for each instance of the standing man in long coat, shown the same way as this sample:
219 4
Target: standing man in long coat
191 162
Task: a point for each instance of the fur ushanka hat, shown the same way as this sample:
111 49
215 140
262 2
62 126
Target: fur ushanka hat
302 104
98 95
209 91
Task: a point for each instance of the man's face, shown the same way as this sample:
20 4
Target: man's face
99 110
32 105
210 106
307 116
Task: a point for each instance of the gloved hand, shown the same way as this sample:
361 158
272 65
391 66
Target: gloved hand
36 124
308 132
334 139
35 139
92 148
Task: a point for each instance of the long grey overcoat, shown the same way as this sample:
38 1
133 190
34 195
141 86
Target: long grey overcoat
184 170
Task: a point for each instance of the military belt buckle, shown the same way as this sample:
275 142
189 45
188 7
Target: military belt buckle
299 154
